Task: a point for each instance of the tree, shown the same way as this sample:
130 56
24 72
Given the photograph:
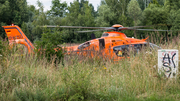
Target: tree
5 11
85 17
12 11
73 12
145 3
173 18
118 7
4 15
154 15
134 11
19 11
40 19
58 9
105 16
154 2
172 5
79 14
173 21
161 2
141 4
31 13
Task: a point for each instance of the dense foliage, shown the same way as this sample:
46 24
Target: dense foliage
162 13
48 46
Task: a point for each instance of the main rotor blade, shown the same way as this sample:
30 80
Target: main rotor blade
75 27
105 28
132 28
89 31
152 30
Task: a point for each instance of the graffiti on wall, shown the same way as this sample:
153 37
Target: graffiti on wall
168 62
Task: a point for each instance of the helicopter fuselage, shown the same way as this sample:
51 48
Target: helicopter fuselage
111 45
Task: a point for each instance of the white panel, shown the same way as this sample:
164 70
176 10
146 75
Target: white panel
168 62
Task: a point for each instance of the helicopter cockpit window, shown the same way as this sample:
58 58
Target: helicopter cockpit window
84 45
121 51
125 50
105 35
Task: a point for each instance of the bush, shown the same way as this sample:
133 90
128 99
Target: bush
1 48
49 46
4 52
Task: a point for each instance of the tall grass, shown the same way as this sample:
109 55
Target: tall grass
28 77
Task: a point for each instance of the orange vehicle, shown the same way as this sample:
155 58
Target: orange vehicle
112 44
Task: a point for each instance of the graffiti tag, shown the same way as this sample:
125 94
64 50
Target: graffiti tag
168 64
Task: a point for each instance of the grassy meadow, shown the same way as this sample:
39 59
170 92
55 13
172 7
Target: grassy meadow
30 78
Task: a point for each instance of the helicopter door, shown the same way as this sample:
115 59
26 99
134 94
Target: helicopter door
101 44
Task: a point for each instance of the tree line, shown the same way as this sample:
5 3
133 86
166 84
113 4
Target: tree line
163 14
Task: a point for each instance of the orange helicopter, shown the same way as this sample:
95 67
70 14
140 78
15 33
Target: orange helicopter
111 44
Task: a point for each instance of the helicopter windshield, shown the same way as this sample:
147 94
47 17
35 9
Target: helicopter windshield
124 50
84 45
105 35
109 34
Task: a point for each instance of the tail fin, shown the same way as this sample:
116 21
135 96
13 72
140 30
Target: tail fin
145 38
16 36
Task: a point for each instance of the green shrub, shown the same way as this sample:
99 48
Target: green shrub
77 82
1 47
29 95
49 46
4 52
